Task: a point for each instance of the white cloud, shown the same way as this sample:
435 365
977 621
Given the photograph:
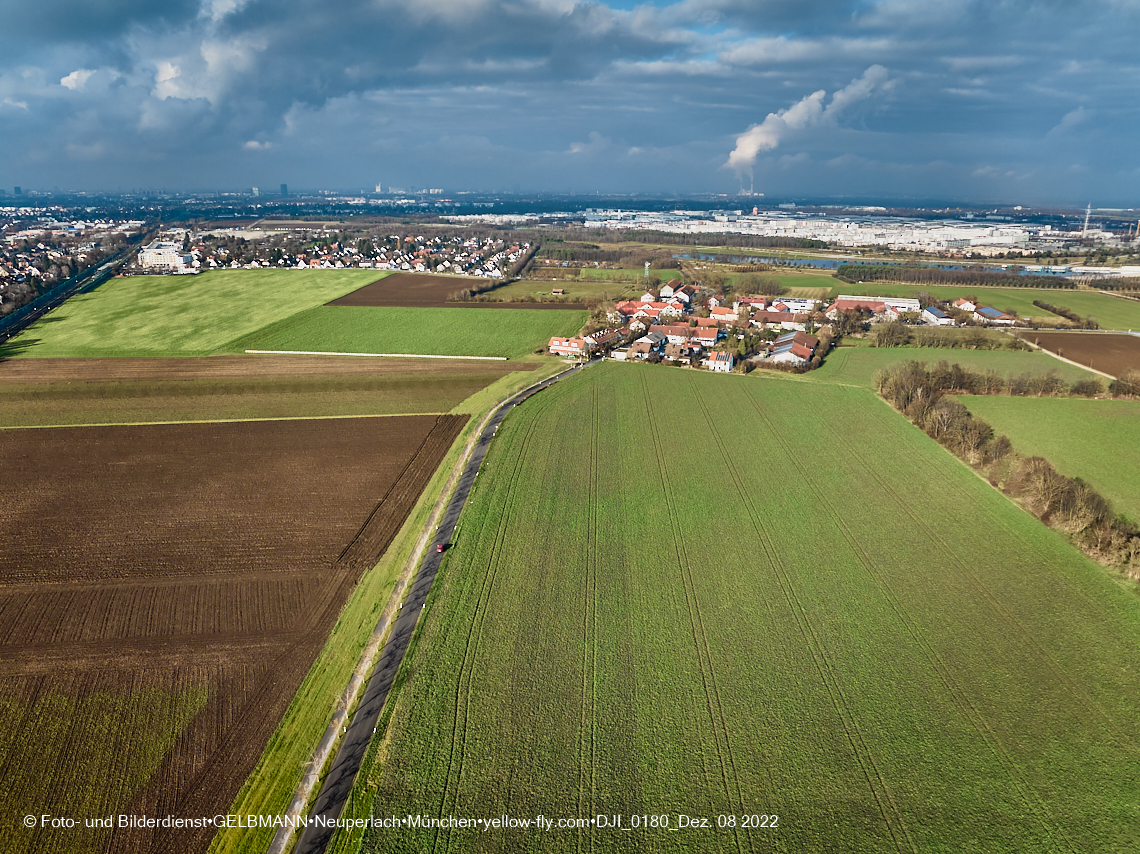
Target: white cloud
597 143
166 81
807 112
76 79
1069 121
254 145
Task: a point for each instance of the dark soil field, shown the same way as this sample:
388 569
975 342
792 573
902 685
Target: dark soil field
163 591
422 290
1113 354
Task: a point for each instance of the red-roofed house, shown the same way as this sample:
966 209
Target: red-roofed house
569 346
720 362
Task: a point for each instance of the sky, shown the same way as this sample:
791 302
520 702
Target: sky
1034 102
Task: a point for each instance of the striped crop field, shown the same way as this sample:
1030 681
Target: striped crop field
674 593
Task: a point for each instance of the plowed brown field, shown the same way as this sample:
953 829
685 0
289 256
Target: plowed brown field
1101 351
422 290
163 591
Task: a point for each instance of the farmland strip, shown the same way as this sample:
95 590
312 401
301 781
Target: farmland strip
961 700
1041 653
858 743
474 633
696 626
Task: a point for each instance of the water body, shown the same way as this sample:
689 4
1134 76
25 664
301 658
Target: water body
833 264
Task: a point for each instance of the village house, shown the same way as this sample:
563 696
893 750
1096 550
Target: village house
569 346
674 334
720 362
706 336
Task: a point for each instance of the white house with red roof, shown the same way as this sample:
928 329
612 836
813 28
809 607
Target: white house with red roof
569 346
720 362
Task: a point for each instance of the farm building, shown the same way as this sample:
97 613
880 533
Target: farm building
604 338
987 314
934 316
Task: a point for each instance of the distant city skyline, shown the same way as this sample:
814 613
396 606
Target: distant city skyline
1018 103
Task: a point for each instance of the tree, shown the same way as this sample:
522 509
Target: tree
892 334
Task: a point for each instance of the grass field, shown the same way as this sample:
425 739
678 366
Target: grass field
436 331
1096 440
246 387
632 276
857 365
180 315
813 612
1110 312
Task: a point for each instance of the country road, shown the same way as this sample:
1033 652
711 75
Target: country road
342 774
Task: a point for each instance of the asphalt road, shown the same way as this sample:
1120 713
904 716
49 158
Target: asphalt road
334 793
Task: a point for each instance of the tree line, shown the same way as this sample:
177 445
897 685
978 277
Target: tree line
854 273
903 381
894 333
1066 504
1071 316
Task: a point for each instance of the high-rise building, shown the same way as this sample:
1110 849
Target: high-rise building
18 191
379 188
256 192
284 190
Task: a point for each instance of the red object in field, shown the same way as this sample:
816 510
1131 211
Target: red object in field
439 547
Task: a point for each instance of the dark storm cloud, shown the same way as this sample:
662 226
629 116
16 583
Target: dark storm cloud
996 97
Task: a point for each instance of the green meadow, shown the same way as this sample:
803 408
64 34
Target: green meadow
674 593
180 315
1095 440
513 333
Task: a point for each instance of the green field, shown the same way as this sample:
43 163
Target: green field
811 611
632 276
857 365
1095 440
129 735
180 315
514 333
1110 312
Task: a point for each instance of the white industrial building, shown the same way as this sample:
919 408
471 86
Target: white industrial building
166 255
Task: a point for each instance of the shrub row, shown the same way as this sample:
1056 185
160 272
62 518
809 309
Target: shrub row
1071 316
900 383
1065 504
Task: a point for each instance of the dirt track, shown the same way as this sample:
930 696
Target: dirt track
1111 353
422 290
178 557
